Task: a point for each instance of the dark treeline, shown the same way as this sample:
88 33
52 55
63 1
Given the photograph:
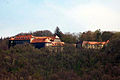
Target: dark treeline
24 62
68 37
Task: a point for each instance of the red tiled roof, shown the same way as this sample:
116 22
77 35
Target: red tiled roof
93 43
40 39
28 37
46 39
96 43
22 37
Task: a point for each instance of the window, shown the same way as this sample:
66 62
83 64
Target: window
11 41
57 40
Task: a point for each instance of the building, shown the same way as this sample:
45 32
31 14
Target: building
20 39
92 44
38 42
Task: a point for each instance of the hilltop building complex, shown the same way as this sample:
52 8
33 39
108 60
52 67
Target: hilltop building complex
38 42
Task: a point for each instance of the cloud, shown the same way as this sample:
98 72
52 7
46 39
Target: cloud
69 15
92 16
95 15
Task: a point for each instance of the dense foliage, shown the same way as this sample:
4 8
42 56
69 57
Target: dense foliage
24 62
38 33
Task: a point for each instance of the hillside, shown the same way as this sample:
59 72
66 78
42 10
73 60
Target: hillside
24 62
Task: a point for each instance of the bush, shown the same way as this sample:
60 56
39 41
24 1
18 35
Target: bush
26 62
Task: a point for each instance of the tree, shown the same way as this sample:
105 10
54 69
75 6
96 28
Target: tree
114 45
106 35
97 35
43 33
58 32
69 38
24 33
86 36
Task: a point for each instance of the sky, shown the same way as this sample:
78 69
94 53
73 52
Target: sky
18 16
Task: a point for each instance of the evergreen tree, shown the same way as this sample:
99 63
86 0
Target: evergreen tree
58 32
98 35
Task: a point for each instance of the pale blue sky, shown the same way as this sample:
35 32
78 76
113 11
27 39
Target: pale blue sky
70 15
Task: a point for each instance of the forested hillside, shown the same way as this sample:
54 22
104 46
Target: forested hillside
24 62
